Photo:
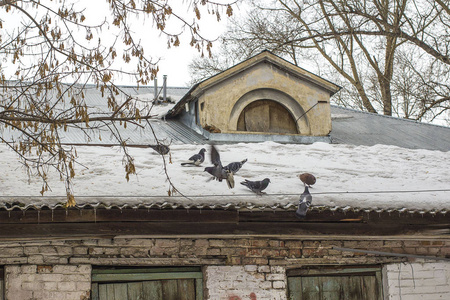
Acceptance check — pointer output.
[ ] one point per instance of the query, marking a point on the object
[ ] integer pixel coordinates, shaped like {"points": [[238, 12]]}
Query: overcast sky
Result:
{"points": [[174, 61]]}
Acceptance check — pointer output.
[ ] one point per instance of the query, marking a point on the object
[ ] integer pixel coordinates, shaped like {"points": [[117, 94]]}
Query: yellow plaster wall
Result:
{"points": [[220, 98]]}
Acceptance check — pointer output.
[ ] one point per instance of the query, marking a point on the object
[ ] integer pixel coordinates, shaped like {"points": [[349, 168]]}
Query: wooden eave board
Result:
{"points": [[113, 222]]}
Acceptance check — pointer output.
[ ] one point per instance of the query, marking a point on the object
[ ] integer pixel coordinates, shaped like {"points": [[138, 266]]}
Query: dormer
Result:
{"points": [[262, 98]]}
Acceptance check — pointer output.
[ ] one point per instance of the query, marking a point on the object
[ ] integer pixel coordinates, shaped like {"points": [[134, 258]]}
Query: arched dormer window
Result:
{"points": [[268, 111], [266, 116]]}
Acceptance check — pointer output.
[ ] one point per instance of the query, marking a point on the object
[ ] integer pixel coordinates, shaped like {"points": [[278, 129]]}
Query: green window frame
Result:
{"points": [[145, 283], [351, 283], [2, 283]]}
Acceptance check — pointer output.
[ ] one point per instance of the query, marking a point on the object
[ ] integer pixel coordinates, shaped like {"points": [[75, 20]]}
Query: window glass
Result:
{"points": [[147, 283], [335, 283]]}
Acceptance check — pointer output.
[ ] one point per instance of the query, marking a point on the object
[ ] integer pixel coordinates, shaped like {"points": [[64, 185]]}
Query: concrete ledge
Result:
{"points": [[258, 138]]}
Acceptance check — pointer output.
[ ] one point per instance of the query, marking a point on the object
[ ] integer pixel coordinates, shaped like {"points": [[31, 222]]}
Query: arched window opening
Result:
{"points": [[266, 116]]}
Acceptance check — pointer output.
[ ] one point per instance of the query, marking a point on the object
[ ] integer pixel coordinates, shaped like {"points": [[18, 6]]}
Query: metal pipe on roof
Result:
{"points": [[164, 87], [155, 89]]}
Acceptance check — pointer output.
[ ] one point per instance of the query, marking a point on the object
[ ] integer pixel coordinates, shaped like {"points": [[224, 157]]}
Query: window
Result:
{"points": [[196, 112], [147, 283], [335, 283], [266, 116]]}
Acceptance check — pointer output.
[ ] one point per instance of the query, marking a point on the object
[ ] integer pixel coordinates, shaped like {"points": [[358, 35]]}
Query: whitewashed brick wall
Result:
{"points": [[62, 282], [421, 280], [249, 282]]}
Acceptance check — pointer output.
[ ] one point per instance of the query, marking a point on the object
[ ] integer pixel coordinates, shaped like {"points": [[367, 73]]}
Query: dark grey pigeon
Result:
{"points": [[218, 171], [257, 186], [235, 166], [305, 202], [160, 148], [196, 159]]}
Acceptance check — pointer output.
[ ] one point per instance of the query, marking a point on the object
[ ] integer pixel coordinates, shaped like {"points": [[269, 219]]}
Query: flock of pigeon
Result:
{"points": [[220, 172]]}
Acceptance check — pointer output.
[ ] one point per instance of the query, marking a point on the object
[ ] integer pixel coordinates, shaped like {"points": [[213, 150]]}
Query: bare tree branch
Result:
{"points": [[52, 51]]}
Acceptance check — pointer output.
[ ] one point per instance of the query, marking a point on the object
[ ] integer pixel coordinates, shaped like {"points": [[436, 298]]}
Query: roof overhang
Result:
{"points": [[169, 220]]}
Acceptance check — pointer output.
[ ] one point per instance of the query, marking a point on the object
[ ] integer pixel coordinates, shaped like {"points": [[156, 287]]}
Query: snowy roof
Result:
{"points": [[377, 177], [381, 163]]}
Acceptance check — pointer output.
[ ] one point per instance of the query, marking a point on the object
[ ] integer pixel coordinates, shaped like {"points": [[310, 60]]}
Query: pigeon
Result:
{"points": [[218, 171], [160, 148], [196, 159], [235, 166], [307, 179], [257, 186], [305, 202]]}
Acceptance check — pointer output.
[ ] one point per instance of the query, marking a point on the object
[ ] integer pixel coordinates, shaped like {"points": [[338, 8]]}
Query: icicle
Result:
{"points": [[39, 216], [95, 215], [52, 214]]}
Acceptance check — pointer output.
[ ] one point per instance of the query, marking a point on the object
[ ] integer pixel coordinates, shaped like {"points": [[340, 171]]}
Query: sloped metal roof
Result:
{"points": [[366, 129], [349, 126], [168, 132]]}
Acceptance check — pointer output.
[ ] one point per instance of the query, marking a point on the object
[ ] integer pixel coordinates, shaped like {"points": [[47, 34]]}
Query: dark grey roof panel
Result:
{"points": [[360, 128]]}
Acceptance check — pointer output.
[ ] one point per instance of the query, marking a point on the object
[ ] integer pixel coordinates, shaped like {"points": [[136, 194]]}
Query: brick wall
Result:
{"points": [[234, 267], [203, 251], [249, 282], [421, 280], [48, 282]]}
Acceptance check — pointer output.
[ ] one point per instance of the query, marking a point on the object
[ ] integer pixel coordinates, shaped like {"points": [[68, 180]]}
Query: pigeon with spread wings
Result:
{"points": [[218, 171]]}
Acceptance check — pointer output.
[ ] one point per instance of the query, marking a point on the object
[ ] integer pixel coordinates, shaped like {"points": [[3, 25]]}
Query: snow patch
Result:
{"points": [[377, 177]]}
